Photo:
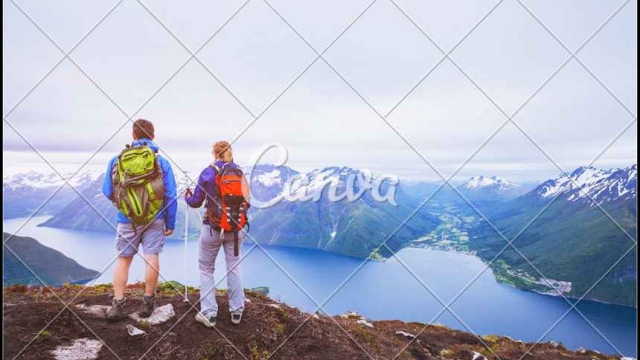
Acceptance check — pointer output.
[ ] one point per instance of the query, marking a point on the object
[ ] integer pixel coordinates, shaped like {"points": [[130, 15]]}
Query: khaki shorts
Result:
{"points": [[152, 238]]}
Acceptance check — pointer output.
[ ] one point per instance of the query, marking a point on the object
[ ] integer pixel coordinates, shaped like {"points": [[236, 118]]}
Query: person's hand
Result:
{"points": [[168, 232], [187, 193]]}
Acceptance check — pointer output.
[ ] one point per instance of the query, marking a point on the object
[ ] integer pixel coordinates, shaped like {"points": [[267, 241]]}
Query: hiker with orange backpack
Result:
{"points": [[224, 190]]}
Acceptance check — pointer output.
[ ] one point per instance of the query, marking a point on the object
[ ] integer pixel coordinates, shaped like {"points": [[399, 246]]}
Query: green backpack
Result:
{"points": [[138, 190]]}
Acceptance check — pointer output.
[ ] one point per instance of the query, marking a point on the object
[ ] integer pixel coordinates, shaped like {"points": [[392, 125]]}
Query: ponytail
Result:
{"points": [[222, 151]]}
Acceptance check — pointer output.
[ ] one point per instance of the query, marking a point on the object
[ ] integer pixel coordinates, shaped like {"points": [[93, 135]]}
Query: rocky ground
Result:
{"points": [[269, 330]]}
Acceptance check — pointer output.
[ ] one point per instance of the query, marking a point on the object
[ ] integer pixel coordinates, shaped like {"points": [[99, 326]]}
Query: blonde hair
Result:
{"points": [[222, 151]]}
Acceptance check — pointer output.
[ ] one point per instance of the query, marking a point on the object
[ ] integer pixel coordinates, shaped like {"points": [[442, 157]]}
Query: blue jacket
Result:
{"points": [[206, 186], [170, 190]]}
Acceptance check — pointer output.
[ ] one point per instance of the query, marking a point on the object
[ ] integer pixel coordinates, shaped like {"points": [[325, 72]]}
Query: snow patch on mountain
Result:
{"points": [[586, 183], [38, 180], [270, 178], [500, 184], [318, 179]]}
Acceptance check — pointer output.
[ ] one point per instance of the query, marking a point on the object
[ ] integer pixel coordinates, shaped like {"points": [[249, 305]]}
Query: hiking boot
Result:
{"points": [[148, 305], [207, 320], [236, 317], [116, 311]]}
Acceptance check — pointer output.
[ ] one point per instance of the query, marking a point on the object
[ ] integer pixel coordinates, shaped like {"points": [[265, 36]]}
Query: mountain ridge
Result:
{"points": [[27, 192], [483, 189], [489, 181], [352, 227], [568, 238], [571, 226], [308, 217], [589, 183]]}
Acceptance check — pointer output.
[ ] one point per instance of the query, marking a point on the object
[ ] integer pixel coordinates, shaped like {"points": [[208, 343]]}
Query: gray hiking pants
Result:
{"points": [[210, 244], [151, 237]]}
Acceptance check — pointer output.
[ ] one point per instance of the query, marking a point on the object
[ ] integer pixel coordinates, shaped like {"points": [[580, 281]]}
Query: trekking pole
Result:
{"points": [[186, 234]]}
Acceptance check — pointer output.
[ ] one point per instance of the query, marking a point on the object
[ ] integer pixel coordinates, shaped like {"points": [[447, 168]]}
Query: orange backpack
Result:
{"points": [[231, 203]]}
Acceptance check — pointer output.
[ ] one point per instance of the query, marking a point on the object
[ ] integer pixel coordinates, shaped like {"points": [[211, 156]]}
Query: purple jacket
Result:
{"points": [[207, 187]]}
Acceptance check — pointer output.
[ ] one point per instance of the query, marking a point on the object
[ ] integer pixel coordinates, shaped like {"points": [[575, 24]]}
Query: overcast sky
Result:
{"points": [[320, 119]]}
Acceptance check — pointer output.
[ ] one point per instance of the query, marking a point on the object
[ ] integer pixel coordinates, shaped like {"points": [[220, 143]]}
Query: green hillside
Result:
{"points": [[568, 242], [348, 228], [52, 266]]}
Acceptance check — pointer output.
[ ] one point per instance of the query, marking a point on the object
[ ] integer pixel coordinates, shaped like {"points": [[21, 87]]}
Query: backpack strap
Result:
{"points": [[217, 168], [212, 219], [235, 244]]}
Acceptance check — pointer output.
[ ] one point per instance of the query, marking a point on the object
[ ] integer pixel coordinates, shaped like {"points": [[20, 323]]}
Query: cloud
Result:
{"points": [[320, 119]]}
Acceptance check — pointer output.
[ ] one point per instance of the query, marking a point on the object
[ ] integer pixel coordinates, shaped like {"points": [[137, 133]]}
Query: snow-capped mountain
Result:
{"points": [[36, 180], [309, 217], [270, 183], [94, 212], [24, 193], [477, 182], [317, 181], [267, 181], [333, 209], [570, 237], [587, 183], [490, 188], [270, 175]]}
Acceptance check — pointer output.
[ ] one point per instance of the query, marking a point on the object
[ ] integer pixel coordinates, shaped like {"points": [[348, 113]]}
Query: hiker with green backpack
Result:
{"points": [[141, 185]]}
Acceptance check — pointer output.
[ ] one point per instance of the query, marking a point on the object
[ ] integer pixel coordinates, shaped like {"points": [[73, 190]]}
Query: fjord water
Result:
{"points": [[411, 287]]}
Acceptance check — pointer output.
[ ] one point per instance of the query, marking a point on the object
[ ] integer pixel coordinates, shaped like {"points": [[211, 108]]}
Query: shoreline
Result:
{"points": [[499, 281], [451, 249]]}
